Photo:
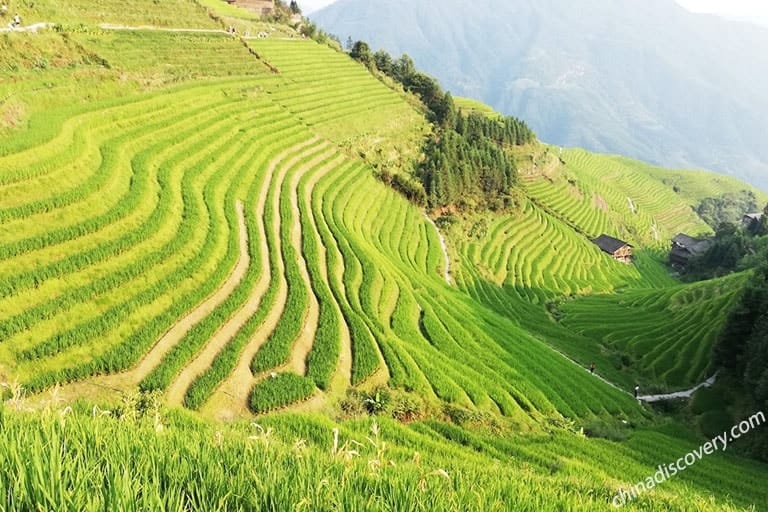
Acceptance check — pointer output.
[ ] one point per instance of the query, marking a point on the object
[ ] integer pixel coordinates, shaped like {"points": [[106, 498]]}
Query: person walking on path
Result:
{"points": [[592, 368], [637, 390]]}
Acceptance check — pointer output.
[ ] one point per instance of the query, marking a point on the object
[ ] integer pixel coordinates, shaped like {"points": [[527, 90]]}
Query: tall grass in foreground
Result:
{"points": [[134, 459]]}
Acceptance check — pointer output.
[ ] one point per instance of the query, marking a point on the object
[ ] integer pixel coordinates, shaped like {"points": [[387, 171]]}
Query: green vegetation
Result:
{"points": [[742, 350], [84, 15], [467, 164], [665, 336], [279, 390], [726, 209], [76, 461], [470, 106], [223, 234], [733, 248], [176, 56]]}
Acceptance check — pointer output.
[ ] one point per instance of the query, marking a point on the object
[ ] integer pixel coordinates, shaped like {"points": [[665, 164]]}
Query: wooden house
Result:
{"points": [[618, 249], [685, 247]]}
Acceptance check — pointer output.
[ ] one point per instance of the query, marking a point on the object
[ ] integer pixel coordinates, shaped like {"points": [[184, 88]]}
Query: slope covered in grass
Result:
{"points": [[89, 287], [85, 15], [290, 461], [669, 333], [214, 232]]}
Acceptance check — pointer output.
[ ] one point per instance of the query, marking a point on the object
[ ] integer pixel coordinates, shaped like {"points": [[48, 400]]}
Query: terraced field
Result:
{"points": [[522, 265], [338, 101], [598, 194], [210, 231], [233, 244], [669, 333], [175, 56], [85, 14]]}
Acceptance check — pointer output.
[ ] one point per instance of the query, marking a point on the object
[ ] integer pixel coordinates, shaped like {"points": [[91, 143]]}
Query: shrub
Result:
{"points": [[602, 429], [713, 423]]}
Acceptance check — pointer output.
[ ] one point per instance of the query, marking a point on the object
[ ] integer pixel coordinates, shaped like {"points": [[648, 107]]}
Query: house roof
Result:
{"points": [[686, 241], [693, 245], [752, 216], [609, 244], [703, 246]]}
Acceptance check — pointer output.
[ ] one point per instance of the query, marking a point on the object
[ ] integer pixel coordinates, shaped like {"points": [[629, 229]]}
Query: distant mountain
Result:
{"points": [[643, 78]]}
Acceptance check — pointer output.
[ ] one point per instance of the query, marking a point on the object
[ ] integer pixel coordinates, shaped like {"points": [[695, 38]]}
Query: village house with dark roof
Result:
{"points": [[618, 249], [685, 247]]}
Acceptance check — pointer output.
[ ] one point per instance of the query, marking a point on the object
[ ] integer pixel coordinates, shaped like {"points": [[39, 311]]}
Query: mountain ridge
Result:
{"points": [[596, 82]]}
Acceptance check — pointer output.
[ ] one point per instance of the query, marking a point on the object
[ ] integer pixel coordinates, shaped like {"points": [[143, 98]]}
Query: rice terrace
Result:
{"points": [[245, 266]]}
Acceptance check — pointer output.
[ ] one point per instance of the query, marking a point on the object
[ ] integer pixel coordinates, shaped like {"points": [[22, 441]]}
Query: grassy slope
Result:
{"points": [[668, 333], [525, 263], [168, 165], [177, 462], [84, 14]]}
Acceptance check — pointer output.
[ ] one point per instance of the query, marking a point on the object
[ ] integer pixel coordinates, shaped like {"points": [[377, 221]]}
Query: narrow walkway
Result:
{"points": [[153, 358], [111, 26], [679, 394], [643, 398], [204, 359], [444, 247], [230, 399], [105, 387], [29, 28]]}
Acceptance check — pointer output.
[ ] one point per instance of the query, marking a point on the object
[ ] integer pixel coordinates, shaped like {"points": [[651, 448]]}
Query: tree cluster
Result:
{"points": [[733, 249], [762, 227], [312, 31], [728, 208], [467, 163], [742, 351], [282, 11], [462, 171]]}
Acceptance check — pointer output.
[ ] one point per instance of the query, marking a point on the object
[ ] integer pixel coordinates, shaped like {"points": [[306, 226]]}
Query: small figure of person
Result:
{"points": [[592, 368], [637, 390], [16, 21]]}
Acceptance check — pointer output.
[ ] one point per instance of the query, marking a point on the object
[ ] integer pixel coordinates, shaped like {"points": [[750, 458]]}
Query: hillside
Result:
{"points": [[287, 460], [642, 79], [203, 280]]}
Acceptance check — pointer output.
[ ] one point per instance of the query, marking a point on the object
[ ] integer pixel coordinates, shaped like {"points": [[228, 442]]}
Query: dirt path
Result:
{"points": [[444, 247], [230, 400], [679, 394], [29, 28], [112, 26], [174, 335], [342, 378], [632, 205], [107, 386], [303, 344], [176, 391]]}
